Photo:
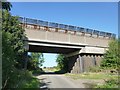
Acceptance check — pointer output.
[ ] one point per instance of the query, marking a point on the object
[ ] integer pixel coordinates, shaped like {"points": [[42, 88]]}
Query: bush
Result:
{"points": [[38, 71], [28, 81], [111, 83], [60, 72], [95, 69]]}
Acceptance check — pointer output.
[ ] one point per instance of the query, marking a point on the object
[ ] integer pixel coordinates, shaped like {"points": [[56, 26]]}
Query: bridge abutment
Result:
{"points": [[83, 62]]}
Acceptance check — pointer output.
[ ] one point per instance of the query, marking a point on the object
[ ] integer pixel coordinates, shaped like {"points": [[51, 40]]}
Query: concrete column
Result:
{"points": [[94, 58], [81, 64], [78, 65], [75, 67], [98, 60], [88, 62]]}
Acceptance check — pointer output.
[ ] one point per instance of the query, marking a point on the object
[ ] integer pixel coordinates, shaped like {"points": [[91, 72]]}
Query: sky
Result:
{"points": [[102, 16]]}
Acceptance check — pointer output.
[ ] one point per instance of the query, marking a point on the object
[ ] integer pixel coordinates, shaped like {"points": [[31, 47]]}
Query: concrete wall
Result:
{"points": [[83, 63], [91, 61], [60, 37]]}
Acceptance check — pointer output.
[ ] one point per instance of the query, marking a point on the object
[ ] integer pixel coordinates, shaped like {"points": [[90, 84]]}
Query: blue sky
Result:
{"points": [[101, 16]]}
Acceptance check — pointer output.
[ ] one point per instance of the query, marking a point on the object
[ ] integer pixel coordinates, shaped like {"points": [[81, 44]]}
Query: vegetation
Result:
{"points": [[51, 69], [111, 62], [35, 61], [6, 5], [90, 75], [95, 69], [15, 34], [13, 73], [111, 57], [61, 63], [111, 83], [12, 49], [104, 80]]}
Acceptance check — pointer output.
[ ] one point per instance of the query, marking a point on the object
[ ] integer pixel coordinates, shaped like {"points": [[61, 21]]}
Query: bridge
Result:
{"points": [[82, 47]]}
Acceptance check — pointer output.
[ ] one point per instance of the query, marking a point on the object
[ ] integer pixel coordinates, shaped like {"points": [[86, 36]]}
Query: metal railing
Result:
{"points": [[66, 27]]}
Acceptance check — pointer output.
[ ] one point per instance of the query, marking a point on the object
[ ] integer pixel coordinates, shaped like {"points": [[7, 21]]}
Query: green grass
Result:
{"points": [[111, 81], [51, 69], [28, 80], [32, 83], [92, 76]]}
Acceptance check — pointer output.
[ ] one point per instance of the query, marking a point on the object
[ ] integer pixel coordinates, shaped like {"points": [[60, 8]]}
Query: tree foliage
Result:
{"points": [[12, 50], [6, 5], [35, 61], [13, 74], [62, 62], [11, 25], [111, 56], [8, 58]]}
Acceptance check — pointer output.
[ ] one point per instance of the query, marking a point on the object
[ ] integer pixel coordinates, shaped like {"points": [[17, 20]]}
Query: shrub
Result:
{"points": [[38, 71], [111, 83], [95, 69]]}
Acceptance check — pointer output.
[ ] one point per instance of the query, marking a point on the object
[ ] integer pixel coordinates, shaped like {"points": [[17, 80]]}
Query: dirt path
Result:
{"points": [[57, 81], [60, 81]]}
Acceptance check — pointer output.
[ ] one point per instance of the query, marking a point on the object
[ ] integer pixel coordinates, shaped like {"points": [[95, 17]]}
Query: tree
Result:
{"points": [[11, 25], [12, 49], [35, 61], [62, 62], [13, 76], [8, 60], [111, 57], [6, 5]]}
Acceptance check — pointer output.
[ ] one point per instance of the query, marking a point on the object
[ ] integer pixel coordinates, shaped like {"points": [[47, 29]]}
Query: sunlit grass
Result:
{"points": [[92, 76], [51, 69], [110, 80]]}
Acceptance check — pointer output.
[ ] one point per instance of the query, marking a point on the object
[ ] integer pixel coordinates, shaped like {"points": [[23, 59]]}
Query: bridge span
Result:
{"points": [[82, 46]]}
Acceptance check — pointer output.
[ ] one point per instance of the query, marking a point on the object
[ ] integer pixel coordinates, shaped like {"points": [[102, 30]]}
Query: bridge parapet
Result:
{"points": [[38, 24]]}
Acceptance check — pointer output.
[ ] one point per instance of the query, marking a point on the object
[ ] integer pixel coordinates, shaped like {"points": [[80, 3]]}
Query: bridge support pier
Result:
{"points": [[83, 62]]}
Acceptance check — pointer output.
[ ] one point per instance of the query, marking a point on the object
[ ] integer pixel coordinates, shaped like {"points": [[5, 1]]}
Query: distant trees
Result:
{"points": [[62, 62], [111, 57], [35, 61]]}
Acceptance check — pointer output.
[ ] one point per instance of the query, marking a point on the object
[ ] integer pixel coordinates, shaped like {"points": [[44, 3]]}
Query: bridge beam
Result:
{"points": [[72, 54]]}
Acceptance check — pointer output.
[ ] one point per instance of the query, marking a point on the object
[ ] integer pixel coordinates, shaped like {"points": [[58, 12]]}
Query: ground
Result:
{"points": [[52, 80], [84, 80], [57, 81]]}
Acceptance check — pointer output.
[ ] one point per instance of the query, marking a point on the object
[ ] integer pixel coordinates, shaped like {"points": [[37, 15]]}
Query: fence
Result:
{"points": [[66, 27]]}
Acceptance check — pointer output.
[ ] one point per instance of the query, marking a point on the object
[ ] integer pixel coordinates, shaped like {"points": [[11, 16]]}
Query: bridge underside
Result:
{"points": [[76, 55], [48, 49]]}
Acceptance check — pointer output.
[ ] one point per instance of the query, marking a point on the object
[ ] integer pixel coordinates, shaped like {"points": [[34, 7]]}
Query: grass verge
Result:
{"points": [[110, 80], [91, 76]]}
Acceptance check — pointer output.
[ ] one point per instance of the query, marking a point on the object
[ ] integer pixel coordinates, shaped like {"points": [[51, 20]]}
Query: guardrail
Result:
{"points": [[66, 27]]}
